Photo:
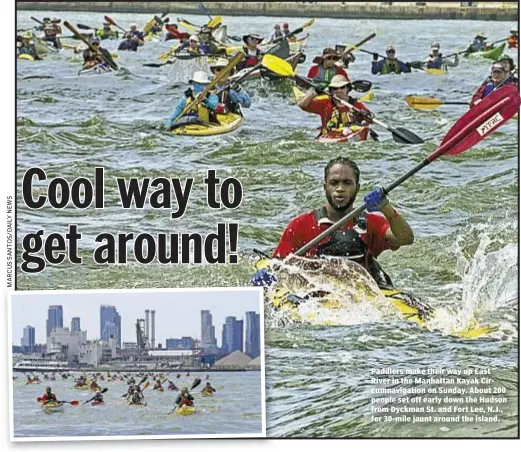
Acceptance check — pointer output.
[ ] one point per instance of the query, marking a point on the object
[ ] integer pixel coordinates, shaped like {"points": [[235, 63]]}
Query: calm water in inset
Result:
{"points": [[463, 209], [235, 408]]}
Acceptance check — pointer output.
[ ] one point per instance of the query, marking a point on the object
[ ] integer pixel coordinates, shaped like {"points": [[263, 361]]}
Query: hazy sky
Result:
{"points": [[177, 313]]}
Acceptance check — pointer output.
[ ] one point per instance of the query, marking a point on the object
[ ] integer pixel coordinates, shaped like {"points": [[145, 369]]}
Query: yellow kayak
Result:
{"points": [[192, 127], [185, 410], [207, 394], [25, 56], [82, 388], [410, 307], [52, 407], [435, 71]]}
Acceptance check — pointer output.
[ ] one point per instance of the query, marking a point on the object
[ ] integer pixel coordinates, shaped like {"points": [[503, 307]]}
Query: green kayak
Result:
{"points": [[493, 54]]}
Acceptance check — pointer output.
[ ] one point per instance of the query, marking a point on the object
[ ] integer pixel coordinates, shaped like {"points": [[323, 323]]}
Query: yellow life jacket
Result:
{"points": [[338, 121]]}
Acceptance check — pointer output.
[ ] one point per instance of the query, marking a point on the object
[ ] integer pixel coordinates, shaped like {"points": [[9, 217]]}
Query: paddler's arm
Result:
{"points": [[306, 100], [399, 232], [177, 111]]}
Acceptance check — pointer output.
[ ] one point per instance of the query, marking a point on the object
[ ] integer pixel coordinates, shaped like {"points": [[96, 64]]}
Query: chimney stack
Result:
{"points": [[147, 326], [153, 332]]}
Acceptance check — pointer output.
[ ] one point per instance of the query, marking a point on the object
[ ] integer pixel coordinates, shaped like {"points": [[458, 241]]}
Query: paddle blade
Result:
{"points": [[215, 22], [84, 27], [423, 103], [367, 97], [109, 20], [75, 403], [277, 65], [361, 86], [404, 136], [481, 120], [196, 383]]}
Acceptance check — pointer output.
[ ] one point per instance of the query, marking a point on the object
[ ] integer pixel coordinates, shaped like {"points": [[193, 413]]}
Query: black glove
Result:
{"points": [[189, 92], [409, 65], [366, 115], [375, 56], [238, 89]]}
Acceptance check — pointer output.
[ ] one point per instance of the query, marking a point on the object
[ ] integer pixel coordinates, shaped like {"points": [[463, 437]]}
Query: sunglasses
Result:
{"points": [[217, 69], [391, 51], [334, 58], [96, 44]]}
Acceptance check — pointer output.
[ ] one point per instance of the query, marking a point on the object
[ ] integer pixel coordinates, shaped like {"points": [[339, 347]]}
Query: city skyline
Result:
{"points": [[172, 308]]}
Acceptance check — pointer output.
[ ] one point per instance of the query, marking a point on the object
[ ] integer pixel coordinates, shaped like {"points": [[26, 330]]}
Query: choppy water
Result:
{"points": [[235, 408], [463, 210]]}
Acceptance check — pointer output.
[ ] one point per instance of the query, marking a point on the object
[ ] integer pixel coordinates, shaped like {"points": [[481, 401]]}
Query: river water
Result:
{"points": [[463, 209], [235, 408]]}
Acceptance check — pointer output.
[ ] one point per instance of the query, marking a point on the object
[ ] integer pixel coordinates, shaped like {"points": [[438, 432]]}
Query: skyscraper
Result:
{"points": [[110, 324], [54, 318], [208, 341], [75, 325], [232, 335], [252, 345], [29, 339]]}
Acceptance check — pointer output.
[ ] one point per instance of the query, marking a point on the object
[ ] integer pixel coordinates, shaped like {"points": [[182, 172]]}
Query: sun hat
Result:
{"points": [[254, 36], [200, 77], [219, 62], [194, 38], [339, 81], [326, 53]]}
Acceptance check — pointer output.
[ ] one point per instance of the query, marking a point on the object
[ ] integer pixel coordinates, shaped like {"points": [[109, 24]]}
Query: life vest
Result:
{"points": [[251, 60], [435, 62], [187, 402], [325, 75], [201, 112], [391, 66], [338, 121], [349, 244], [225, 98]]}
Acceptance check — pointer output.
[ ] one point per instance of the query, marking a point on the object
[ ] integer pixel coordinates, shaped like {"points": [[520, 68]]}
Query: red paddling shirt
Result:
{"points": [[304, 228]]}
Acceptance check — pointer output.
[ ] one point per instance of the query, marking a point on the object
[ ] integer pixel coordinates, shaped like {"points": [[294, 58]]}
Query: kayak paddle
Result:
{"points": [[74, 402], [283, 68], [110, 62], [111, 22], [429, 103], [196, 383], [217, 79], [180, 57], [359, 44], [85, 27], [475, 125]]}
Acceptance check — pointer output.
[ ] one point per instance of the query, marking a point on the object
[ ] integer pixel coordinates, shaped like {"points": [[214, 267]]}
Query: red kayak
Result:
{"points": [[356, 134], [97, 403]]}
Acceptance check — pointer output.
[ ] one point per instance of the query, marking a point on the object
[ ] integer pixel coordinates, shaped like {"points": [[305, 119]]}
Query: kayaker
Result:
{"points": [[135, 32], [131, 43], [276, 34], [205, 111], [91, 59], [194, 47], [346, 57], [52, 32], [437, 61], [379, 228], [107, 32], [98, 399], [185, 398], [207, 377], [251, 50], [187, 374], [509, 66], [207, 42], [137, 397], [172, 386], [178, 376], [174, 33], [336, 117], [48, 396], [45, 21], [513, 39], [208, 389], [286, 31], [497, 77], [389, 64], [158, 385], [325, 68], [230, 99], [26, 46], [479, 44]]}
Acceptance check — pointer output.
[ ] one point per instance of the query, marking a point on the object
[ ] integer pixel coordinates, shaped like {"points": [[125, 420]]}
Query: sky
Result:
{"points": [[178, 312]]}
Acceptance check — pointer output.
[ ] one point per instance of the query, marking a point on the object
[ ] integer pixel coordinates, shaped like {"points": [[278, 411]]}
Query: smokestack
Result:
{"points": [[153, 332], [147, 325]]}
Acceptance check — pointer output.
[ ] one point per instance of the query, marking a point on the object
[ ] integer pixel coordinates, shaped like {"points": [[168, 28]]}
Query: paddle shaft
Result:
{"points": [[361, 43], [90, 46], [36, 20]]}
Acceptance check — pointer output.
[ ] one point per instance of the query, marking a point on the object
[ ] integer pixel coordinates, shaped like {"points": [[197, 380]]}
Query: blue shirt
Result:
{"points": [[210, 102], [128, 45]]}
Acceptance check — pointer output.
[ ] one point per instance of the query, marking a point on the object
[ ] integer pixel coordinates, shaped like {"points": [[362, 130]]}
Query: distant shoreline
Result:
{"points": [[133, 370], [350, 10]]}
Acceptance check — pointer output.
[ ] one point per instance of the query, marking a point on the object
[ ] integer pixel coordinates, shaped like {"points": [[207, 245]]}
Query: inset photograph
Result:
{"points": [[137, 363]]}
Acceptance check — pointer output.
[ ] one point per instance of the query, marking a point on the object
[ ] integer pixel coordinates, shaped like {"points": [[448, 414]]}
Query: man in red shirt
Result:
{"points": [[48, 396], [335, 116], [326, 68], [378, 229]]}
